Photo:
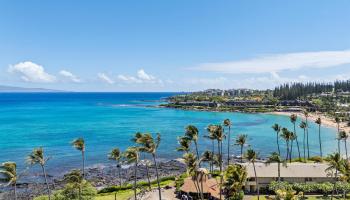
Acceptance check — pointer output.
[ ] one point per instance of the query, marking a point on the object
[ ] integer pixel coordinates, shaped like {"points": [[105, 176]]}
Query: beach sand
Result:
{"points": [[326, 121]]}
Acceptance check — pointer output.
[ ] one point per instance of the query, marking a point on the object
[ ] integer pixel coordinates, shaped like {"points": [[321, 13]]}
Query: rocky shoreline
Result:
{"points": [[100, 177]]}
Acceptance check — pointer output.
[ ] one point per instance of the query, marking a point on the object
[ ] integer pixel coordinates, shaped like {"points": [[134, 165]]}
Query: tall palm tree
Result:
{"points": [[9, 172], [79, 144], [37, 157], [150, 145], [276, 158], [334, 164], [303, 126], [319, 122], [286, 135], [344, 136], [184, 143], [192, 133], [192, 167], [228, 124], [251, 156], [337, 120], [212, 136], [241, 141], [116, 155], [207, 156], [293, 119], [132, 155], [306, 114], [293, 137], [277, 129], [219, 135]]}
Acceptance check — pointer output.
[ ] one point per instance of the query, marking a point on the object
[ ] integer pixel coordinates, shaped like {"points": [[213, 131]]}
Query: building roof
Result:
{"points": [[209, 186], [299, 170]]}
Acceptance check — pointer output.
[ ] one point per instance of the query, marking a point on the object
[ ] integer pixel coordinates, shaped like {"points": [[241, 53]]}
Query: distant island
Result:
{"points": [[5, 89]]}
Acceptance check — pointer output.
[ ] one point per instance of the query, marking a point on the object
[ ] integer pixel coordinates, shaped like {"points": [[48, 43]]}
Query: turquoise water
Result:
{"points": [[107, 120]]}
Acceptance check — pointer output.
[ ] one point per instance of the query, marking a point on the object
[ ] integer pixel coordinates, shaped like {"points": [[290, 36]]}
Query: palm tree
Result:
{"points": [[306, 114], [219, 135], [192, 167], [228, 124], [319, 122], [184, 143], [208, 156], [277, 129], [276, 158], [79, 144], [211, 136], [303, 126], [131, 155], [192, 134], [9, 172], [337, 120], [251, 156], [37, 157], [150, 145], [235, 177], [286, 135], [335, 164], [293, 119], [116, 155], [241, 141], [292, 138], [344, 136], [76, 179]]}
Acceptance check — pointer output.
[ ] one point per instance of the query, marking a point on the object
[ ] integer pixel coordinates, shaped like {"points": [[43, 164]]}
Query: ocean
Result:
{"points": [[108, 120]]}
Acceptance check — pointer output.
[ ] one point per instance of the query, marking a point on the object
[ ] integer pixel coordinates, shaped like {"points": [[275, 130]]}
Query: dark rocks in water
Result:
{"points": [[99, 177]]}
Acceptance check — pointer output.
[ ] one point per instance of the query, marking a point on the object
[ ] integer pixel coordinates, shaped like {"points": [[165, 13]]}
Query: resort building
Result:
{"points": [[294, 173]]}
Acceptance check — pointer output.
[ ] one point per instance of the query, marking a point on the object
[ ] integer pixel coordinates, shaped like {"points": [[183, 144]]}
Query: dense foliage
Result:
{"points": [[320, 188]]}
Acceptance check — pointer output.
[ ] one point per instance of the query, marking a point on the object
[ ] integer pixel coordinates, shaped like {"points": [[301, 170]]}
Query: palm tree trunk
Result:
{"points": [[15, 190], [120, 178], [212, 159], [135, 178], [295, 132], [291, 151], [287, 150], [83, 156], [346, 150], [155, 164], [221, 175], [307, 142], [228, 145], [334, 184], [220, 164], [304, 146], [256, 181], [46, 182], [148, 179], [241, 153], [339, 146], [319, 138], [278, 144], [279, 171]]}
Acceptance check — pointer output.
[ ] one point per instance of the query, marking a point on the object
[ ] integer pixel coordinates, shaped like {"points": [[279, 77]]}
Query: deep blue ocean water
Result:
{"points": [[107, 120]]}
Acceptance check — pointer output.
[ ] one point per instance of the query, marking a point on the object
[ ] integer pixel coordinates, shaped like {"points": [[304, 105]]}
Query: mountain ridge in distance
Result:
{"points": [[5, 88]]}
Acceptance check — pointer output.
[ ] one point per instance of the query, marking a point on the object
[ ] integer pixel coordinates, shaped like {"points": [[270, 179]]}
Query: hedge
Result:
{"points": [[319, 188]]}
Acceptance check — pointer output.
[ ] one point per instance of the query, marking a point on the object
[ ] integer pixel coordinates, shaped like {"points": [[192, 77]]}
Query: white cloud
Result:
{"points": [[280, 62], [141, 74], [105, 78], [31, 72], [141, 77], [70, 76]]}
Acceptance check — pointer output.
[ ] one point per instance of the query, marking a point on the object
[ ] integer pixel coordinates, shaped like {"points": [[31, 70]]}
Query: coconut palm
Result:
{"points": [[344, 136], [251, 156], [303, 126], [241, 141], [219, 135], [37, 157], [235, 177], [116, 155], [9, 172], [228, 123], [293, 137], [192, 167], [277, 129], [306, 114], [79, 144], [286, 135], [150, 145], [319, 122], [293, 119], [184, 143], [334, 165], [211, 136], [192, 133], [276, 158], [132, 155], [208, 156]]}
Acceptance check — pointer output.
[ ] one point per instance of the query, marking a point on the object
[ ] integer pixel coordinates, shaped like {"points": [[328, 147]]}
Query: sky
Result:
{"points": [[175, 45]]}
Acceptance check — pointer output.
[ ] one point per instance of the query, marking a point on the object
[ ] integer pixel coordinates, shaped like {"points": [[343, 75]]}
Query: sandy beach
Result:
{"points": [[326, 121]]}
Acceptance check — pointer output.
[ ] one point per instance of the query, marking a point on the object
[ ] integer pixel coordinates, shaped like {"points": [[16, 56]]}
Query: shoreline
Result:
{"points": [[326, 121]]}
